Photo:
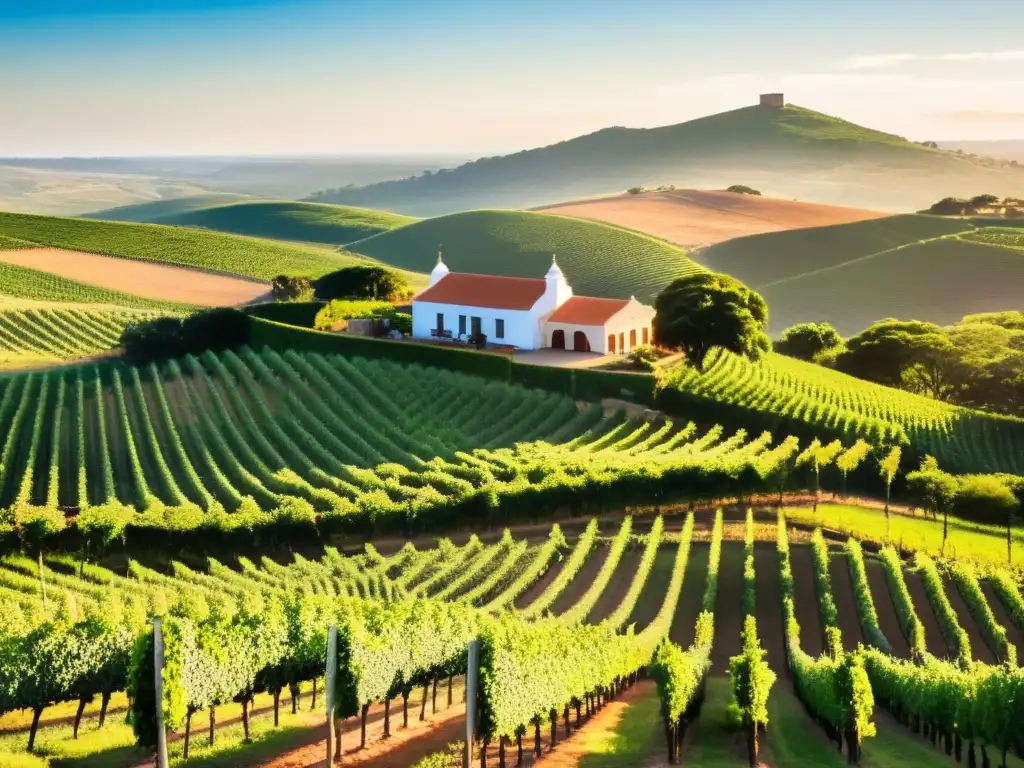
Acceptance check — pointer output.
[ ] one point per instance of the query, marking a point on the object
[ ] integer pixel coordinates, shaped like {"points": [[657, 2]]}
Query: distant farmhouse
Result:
{"points": [[773, 100], [527, 313]]}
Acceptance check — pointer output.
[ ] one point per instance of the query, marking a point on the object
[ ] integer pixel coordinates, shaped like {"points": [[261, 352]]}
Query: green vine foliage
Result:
{"points": [[625, 609], [911, 625], [823, 589], [955, 635], [582, 607], [749, 583], [577, 558], [1010, 595], [751, 677], [862, 592], [966, 580]]}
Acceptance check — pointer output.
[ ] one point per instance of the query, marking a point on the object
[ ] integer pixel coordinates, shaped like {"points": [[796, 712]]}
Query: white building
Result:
{"points": [[527, 313]]}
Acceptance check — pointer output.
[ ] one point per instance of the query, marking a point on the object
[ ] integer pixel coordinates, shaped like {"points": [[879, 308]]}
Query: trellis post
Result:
{"points": [[158, 680], [329, 679], [472, 668]]}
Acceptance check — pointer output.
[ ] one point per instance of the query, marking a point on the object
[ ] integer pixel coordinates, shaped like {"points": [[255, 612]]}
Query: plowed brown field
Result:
{"points": [[697, 218], [162, 282]]}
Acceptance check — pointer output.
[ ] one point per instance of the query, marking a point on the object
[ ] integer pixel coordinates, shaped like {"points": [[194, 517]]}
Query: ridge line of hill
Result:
{"points": [[857, 260]]}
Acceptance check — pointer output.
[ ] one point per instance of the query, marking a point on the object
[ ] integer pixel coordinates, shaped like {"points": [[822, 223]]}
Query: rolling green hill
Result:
{"points": [[279, 220], [248, 256], [598, 259], [791, 152], [910, 267]]}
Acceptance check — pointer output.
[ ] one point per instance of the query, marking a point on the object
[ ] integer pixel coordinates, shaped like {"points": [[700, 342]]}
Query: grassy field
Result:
{"points": [[521, 244], [252, 257], [983, 544], [24, 283], [778, 388], [152, 211], [278, 220], [851, 275]]}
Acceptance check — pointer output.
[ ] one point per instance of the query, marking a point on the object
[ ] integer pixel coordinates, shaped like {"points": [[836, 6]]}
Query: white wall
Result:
{"points": [[595, 335], [522, 328], [632, 317]]}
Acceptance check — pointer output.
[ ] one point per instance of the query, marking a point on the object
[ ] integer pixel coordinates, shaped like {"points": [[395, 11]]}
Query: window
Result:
{"points": [[646, 337], [499, 328], [440, 321], [632, 339], [462, 325]]}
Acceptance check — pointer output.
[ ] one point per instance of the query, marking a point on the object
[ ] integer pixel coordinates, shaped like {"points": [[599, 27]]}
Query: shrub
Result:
{"points": [[643, 357], [635, 190], [985, 498], [805, 341], [285, 288], [170, 337], [363, 282], [742, 189]]}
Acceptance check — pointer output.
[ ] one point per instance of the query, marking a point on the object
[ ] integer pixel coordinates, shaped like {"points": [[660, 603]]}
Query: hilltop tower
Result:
{"points": [[776, 100], [557, 285]]}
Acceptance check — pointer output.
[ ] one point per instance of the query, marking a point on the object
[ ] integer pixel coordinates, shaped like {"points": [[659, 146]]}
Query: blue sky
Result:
{"points": [[127, 77]]}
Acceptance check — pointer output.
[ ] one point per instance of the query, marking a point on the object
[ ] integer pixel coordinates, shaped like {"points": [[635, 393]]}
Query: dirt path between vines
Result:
{"points": [[405, 747], [933, 639], [536, 589], [980, 649], [576, 588], [885, 607], [805, 601], [1013, 633], [769, 606], [690, 596], [728, 617], [845, 599], [617, 586]]}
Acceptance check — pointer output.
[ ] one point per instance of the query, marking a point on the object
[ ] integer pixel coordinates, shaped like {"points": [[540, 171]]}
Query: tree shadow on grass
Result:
{"points": [[628, 742]]}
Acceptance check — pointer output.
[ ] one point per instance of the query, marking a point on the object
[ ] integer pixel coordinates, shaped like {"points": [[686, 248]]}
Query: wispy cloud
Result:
{"points": [[885, 60]]}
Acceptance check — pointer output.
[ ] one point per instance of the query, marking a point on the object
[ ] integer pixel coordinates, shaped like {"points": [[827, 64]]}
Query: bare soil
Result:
{"points": [[149, 280], [575, 589], [652, 596], [405, 746], [980, 649], [697, 218], [618, 585], [769, 606], [728, 617], [1013, 633], [846, 600], [933, 639], [535, 590], [888, 621], [805, 600], [690, 596]]}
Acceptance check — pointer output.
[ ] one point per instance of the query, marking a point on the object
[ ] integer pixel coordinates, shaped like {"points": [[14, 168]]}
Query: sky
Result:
{"points": [[243, 77]]}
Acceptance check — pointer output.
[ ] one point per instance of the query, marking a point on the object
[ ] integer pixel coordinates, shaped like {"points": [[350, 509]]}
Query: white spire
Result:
{"points": [[555, 271], [439, 271]]}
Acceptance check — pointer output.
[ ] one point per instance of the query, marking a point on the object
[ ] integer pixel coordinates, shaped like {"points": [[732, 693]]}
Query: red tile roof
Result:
{"points": [[586, 310], [491, 291]]}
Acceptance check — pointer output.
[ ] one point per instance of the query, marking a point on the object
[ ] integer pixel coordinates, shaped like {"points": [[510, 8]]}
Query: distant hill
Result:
{"points": [[1010, 149], [598, 259], [232, 254], [909, 267], [280, 220], [695, 218], [788, 152]]}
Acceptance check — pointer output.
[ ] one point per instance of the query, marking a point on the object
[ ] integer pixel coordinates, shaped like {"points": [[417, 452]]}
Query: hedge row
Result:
{"points": [[297, 313]]}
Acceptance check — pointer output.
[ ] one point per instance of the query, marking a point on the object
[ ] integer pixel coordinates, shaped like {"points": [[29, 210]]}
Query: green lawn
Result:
{"points": [[630, 742], [984, 544], [594, 256], [249, 256]]}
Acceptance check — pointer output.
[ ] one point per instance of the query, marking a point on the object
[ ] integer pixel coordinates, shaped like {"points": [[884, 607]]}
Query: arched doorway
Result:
{"points": [[580, 342], [558, 339], [632, 339], [611, 343]]}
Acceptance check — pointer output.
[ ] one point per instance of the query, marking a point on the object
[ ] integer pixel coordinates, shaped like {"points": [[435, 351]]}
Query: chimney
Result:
{"points": [[776, 100]]}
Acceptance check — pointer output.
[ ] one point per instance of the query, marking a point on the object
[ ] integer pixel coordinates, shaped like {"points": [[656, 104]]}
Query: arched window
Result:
{"points": [[611, 343], [580, 342], [645, 335], [632, 339], [558, 339]]}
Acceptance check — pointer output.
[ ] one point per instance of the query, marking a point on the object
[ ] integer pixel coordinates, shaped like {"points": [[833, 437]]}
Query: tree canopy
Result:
{"points": [[699, 312], [805, 341], [363, 281]]}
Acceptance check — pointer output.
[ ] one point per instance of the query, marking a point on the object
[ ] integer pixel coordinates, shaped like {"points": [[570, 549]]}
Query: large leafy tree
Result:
{"points": [[805, 341], [699, 312]]}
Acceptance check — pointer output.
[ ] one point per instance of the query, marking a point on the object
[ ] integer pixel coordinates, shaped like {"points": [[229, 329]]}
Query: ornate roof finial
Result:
{"points": [[439, 253]]}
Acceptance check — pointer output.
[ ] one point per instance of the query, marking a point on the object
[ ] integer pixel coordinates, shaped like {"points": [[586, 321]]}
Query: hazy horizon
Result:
{"points": [[347, 78]]}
